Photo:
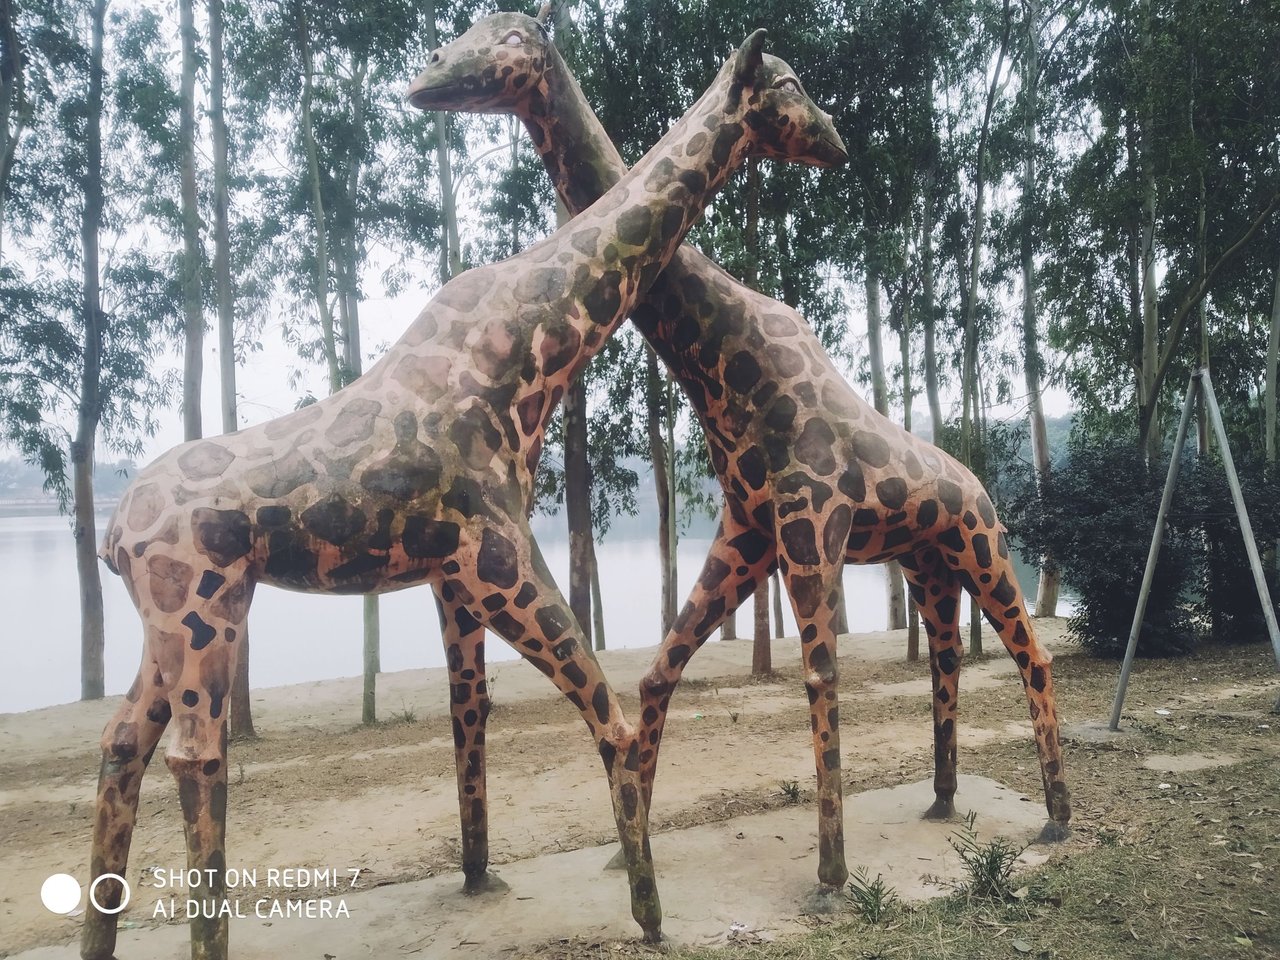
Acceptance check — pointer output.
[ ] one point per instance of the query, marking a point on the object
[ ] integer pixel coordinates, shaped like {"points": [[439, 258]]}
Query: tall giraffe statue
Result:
{"points": [[419, 471], [813, 476]]}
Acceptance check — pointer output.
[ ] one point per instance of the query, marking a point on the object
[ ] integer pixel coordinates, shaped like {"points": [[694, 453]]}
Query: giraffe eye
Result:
{"points": [[513, 39], [789, 85]]}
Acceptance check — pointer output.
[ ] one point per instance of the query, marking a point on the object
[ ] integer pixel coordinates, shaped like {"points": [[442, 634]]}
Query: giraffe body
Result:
{"points": [[813, 476], [420, 471]]}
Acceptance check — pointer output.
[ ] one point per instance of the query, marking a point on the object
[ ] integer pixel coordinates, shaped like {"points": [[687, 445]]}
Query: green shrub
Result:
{"points": [[1096, 518], [1227, 605]]}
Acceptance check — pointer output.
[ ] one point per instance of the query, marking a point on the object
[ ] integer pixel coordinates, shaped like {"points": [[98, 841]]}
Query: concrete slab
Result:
{"points": [[748, 875]]}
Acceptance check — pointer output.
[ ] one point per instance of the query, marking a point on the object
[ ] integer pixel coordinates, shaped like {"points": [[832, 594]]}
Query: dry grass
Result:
{"points": [[1161, 865]]}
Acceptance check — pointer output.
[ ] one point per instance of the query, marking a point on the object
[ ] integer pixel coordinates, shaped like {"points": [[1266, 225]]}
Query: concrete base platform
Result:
{"points": [[745, 877]]}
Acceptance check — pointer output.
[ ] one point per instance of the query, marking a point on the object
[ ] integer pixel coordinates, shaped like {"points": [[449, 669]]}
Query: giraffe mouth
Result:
{"points": [[832, 152], [426, 97]]}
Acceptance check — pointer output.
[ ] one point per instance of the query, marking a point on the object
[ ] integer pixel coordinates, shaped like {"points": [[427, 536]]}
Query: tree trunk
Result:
{"points": [[321, 279], [1149, 433], [1202, 254], [192, 287], [1269, 440], [779, 630], [1048, 587], [761, 649], [225, 289], [597, 608], [673, 530], [1273, 360], [88, 414], [451, 250], [968, 373], [658, 455], [14, 109], [729, 629], [240, 710], [880, 396], [577, 500], [928, 188], [904, 347]]}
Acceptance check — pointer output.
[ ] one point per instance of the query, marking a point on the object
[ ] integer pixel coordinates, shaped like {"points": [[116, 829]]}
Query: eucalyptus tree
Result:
{"points": [[80, 338], [1174, 192], [338, 108]]}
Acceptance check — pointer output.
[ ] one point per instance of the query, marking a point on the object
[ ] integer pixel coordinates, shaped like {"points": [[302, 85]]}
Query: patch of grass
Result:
{"points": [[790, 790], [405, 714], [989, 866], [872, 899]]}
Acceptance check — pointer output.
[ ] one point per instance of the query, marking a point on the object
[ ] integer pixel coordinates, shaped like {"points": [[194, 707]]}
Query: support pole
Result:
{"points": [[1157, 538], [1246, 530]]}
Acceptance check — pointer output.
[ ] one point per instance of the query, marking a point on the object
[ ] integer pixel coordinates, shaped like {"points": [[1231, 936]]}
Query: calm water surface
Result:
{"points": [[300, 637]]}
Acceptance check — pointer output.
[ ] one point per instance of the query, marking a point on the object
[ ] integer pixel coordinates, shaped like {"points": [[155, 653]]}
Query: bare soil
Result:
{"points": [[1180, 815]]}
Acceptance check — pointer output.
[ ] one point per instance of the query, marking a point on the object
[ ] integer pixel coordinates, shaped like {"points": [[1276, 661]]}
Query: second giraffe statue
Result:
{"points": [[419, 471], [813, 476]]}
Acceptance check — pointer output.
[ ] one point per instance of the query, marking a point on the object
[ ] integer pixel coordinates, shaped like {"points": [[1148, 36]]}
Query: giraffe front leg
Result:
{"points": [[996, 588], [739, 559], [812, 584], [937, 596], [128, 743], [469, 704], [506, 587], [197, 753]]}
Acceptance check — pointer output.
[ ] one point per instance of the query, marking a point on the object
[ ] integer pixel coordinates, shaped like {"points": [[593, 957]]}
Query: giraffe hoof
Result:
{"points": [[824, 899], [941, 810], [486, 882], [1054, 832], [653, 935], [618, 861]]}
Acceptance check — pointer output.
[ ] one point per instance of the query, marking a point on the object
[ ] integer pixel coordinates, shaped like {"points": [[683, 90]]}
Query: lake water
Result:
{"points": [[298, 637]]}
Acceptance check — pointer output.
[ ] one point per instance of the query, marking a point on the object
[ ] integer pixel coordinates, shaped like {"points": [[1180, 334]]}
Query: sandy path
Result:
{"points": [[319, 791]]}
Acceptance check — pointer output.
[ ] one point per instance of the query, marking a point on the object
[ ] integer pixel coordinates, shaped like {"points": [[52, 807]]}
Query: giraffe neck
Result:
{"points": [[636, 227], [578, 155]]}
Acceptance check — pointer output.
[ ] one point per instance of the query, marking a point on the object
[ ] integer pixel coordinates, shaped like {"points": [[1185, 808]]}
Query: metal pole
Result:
{"points": [[1157, 538], [1250, 547]]}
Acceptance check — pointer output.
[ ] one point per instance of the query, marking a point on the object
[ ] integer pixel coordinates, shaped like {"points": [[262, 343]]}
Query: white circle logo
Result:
{"points": [[60, 894], [124, 899]]}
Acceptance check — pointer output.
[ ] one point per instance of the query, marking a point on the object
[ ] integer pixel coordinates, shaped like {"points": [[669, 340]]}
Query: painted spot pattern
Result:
{"points": [[419, 471], [797, 452]]}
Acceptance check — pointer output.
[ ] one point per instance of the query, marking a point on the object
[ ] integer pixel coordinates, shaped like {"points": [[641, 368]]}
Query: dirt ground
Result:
{"points": [[318, 790]]}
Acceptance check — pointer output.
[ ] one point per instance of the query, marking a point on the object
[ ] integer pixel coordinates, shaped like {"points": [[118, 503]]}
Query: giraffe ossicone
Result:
{"points": [[813, 476], [419, 471]]}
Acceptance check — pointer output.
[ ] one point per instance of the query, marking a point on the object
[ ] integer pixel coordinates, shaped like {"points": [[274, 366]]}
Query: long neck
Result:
{"points": [[621, 243], [580, 158]]}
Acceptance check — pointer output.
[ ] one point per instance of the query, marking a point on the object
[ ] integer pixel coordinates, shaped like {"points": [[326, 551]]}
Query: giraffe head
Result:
{"points": [[784, 123], [492, 68], [498, 65]]}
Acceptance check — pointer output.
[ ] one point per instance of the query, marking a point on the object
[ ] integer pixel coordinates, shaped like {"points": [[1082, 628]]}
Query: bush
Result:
{"points": [[1227, 605], [1096, 519]]}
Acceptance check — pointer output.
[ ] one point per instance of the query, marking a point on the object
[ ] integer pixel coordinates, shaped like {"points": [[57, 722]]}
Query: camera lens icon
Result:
{"points": [[61, 893]]}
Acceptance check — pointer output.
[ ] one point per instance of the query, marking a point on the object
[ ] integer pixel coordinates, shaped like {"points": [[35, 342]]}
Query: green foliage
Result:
{"points": [[1227, 604], [874, 899], [1096, 519], [988, 866]]}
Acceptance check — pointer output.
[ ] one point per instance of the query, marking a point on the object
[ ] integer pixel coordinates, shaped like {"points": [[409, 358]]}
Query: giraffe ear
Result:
{"points": [[749, 57]]}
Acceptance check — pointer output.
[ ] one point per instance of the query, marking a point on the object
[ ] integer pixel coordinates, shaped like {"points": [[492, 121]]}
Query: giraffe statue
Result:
{"points": [[813, 476], [419, 471]]}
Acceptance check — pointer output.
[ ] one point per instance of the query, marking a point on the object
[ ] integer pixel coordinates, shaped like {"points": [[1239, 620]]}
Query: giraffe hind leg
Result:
{"points": [[995, 585], [469, 705], [937, 596], [128, 742]]}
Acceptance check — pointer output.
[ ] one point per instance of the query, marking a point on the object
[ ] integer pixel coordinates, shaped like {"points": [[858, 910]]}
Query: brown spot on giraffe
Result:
{"points": [[893, 496], [354, 514]]}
